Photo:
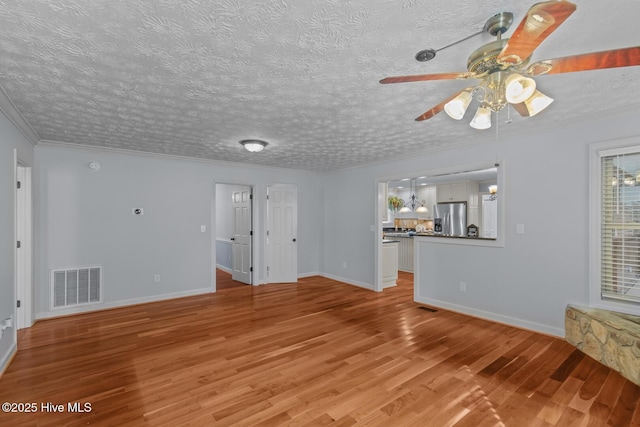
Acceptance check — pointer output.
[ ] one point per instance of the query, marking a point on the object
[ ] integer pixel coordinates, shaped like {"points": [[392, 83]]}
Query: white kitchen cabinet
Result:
{"points": [[473, 210], [405, 254], [383, 203], [427, 194], [452, 192], [389, 264]]}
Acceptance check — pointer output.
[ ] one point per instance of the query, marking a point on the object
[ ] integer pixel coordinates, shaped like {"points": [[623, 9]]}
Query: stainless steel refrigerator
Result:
{"points": [[453, 217]]}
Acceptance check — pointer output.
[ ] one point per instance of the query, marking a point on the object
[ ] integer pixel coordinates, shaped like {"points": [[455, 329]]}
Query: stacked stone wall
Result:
{"points": [[609, 337]]}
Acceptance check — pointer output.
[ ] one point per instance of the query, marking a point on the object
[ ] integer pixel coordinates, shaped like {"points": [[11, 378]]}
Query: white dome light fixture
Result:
{"points": [[253, 145]]}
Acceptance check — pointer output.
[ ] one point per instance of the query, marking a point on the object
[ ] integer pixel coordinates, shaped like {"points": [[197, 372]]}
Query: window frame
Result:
{"points": [[597, 152]]}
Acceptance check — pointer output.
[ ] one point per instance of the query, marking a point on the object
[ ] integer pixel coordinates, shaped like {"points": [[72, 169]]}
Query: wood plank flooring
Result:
{"points": [[224, 281], [319, 352]]}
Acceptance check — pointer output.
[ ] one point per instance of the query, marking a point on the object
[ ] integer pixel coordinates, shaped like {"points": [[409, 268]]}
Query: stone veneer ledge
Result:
{"points": [[607, 336]]}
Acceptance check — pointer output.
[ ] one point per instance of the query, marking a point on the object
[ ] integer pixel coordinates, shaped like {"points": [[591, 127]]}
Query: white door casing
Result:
{"points": [[241, 240], [282, 229]]}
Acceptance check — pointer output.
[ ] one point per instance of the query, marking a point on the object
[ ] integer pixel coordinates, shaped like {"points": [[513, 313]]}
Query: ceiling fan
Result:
{"points": [[503, 68]]}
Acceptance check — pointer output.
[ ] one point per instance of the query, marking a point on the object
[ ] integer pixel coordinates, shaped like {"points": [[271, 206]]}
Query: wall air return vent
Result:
{"points": [[76, 286]]}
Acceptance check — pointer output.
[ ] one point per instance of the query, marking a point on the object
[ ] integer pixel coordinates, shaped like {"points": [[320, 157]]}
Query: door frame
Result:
{"points": [[23, 231], [254, 225]]}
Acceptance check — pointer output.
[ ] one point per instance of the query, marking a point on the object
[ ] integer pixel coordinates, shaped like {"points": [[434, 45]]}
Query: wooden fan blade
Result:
{"points": [[541, 20], [427, 77], [626, 57], [521, 109], [435, 110]]}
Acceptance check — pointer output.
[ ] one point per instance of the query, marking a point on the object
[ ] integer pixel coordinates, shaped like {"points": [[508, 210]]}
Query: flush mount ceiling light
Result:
{"points": [[253, 145], [503, 69]]}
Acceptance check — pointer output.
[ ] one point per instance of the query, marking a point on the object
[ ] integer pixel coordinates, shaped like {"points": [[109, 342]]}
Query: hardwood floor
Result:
{"points": [[224, 281], [316, 353]]}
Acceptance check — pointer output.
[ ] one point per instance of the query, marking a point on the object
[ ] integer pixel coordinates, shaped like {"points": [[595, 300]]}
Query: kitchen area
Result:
{"points": [[452, 206]]}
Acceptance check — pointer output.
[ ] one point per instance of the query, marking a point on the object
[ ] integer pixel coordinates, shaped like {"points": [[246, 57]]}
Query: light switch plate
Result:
{"points": [[519, 228]]}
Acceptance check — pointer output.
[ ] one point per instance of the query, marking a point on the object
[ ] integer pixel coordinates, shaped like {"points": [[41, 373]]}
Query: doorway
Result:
{"points": [[234, 233]]}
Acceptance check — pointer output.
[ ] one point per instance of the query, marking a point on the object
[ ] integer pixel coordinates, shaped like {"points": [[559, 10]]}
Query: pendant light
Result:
{"points": [[412, 204]]}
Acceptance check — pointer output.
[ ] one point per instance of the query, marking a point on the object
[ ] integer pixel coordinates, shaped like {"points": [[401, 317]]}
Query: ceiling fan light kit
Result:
{"points": [[536, 103], [482, 119], [458, 105], [503, 68], [518, 88]]}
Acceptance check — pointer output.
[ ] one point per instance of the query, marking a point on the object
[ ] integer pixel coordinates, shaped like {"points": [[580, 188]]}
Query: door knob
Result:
{"points": [[294, 240], [233, 238]]}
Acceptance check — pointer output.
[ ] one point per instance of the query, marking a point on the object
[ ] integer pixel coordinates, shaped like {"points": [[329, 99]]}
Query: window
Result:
{"points": [[616, 242]]}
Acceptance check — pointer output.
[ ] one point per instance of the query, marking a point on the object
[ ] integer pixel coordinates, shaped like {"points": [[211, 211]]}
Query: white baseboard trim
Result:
{"points": [[494, 317], [349, 281], [310, 274], [225, 269], [7, 358], [121, 303]]}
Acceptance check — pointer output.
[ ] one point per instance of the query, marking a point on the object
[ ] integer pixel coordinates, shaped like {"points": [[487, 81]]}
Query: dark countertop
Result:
{"points": [[452, 237], [398, 234]]}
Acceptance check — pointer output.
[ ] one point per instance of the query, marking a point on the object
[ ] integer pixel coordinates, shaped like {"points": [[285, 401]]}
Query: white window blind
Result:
{"points": [[620, 229]]}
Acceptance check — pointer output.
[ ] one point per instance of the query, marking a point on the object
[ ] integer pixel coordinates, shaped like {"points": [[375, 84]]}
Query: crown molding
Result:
{"points": [[12, 113]]}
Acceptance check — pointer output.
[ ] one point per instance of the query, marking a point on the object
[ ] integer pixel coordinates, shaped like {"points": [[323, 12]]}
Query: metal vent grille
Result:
{"points": [[76, 286]]}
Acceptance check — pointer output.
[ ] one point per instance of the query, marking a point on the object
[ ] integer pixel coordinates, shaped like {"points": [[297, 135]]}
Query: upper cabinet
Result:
{"points": [[454, 192], [427, 195], [383, 204]]}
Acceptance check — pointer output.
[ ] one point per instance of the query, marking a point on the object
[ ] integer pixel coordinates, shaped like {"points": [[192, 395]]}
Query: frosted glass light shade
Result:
{"points": [[518, 88], [482, 119], [458, 105], [404, 209], [422, 209], [253, 145], [537, 102]]}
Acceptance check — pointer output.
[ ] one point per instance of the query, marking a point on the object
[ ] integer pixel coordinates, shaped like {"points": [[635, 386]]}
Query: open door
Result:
{"points": [[23, 225], [282, 230], [242, 235]]}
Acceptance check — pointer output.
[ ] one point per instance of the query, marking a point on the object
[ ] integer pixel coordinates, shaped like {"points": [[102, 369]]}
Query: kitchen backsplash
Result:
{"points": [[411, 223]]}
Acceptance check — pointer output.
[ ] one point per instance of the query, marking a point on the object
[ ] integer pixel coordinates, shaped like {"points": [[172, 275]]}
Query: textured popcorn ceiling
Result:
{"points": [[192, 78]]}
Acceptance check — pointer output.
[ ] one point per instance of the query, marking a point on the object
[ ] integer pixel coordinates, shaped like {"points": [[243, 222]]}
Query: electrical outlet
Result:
{"points": [[156, 278], [463, 287], [344, 264]]}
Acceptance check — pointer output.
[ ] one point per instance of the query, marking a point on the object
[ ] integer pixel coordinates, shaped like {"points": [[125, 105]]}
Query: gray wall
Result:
{"points": [[85, 219], [530, 280], [10, 139]]}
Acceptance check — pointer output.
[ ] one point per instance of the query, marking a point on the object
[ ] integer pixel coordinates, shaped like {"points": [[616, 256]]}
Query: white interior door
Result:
{"points": [[241, 240], [282, 230], [23, 247]]}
